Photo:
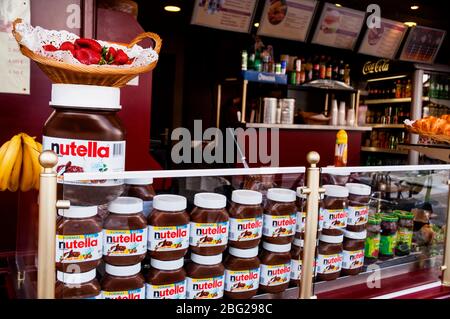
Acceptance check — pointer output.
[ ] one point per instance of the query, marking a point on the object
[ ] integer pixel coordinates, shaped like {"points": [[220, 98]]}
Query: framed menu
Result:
{"points": [[384, 41], [230, 15], [287, 19], [338, 27], [422, 44]]}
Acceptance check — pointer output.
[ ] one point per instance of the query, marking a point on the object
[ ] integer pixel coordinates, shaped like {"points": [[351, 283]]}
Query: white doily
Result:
{"points": [[35, 37]]}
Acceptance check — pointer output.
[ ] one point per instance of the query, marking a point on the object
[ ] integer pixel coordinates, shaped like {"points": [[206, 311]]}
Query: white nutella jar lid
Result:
{"points": [[358, 189], [299, 193], [167, 265], [75, 278], [169, 203], [331, 239], [206, 260], [281, 195], [298, 242], [276, 248], [210, 200], [355, 235], [246, 197], [139, 181], [78, 211], [123, 271], [335, 191], [243, 253], [126, 205], [85, 96]]}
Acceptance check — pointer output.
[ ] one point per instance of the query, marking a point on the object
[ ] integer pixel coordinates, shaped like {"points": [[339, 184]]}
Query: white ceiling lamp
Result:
{"points": [[256, 24], [410, 23], [172, 8], [414, 7]]}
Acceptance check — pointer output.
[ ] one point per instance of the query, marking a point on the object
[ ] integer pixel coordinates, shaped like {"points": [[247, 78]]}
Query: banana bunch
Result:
{"points": [[19, 163]]}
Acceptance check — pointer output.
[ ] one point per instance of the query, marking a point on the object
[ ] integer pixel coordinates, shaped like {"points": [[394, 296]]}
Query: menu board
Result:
{"points": [[338, 27], [384, 41], [422, 44], [287, 19], [231, 15]]}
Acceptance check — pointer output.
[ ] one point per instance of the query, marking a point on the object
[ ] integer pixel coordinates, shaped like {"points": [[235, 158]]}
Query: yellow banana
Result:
{"points": [[13, 183], [26, 181], [33, 152], [3, 151], [37, 166], [8, 161]]}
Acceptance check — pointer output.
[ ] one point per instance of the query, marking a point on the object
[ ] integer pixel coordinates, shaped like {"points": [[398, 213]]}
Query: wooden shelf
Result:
{"points": [[386, 101], [393, 126], [440, 152], [383, 150]]}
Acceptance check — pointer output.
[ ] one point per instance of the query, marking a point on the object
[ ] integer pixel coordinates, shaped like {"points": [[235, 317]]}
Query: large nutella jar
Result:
{"points": [[142, 188], [209, 224], [275, 267], [166, 280], [241, 273], [124, 232], [77, 285], [279, 216], [353, 252], [78, 239], [333, 213], [301, 214], [246, 220], [205, 277], [329, 257], [296, 261], [88, 136], [358, 206], [168, 228], [123, 282]]}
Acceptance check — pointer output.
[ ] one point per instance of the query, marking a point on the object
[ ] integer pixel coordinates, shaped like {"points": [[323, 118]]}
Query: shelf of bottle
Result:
{"points": [[383, 150], [393, 100], [393, 126], [444, 102]]}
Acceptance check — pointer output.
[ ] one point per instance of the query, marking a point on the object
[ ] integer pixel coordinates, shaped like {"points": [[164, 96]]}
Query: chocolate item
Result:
{"points": [[142, 188], [168, 228], [388, 236], [404, 233], [123, 282], [241, 273], [78, 239], [358, 206], [209, 224], [77, 286], [279, 216], [275, 267], [353, 253], [296, 261], [124, 232], [372, 245], [246, 220], [86, 133], [166, 280], [329, 257], [333, 214], [301, 214], [205, 277]]}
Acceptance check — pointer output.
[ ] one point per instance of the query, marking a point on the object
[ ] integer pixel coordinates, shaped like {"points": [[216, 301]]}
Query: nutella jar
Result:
{"points": [[77, 285], [279, 216], [301, 214], [333, 213], [353, 252], [329, 257], [296, 261], [241, 273], [123, 282], [358, 206], [142, 188], [205, 277], [88, 136], [124, 232], [209, 224], [372, 245], [246, 220], [78, 239], [168, 228], [275, 267], [166, 280]]}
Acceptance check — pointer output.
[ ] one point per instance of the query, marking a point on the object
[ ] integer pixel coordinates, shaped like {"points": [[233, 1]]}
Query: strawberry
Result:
{"points": [[49, 47], [120, 58], [87, 56], [110, 54], [67, 46], [89, 44]]}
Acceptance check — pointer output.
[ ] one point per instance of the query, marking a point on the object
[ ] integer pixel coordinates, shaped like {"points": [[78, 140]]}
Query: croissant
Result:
{"points": [[446, 117], [438, 126], [446, 129]]}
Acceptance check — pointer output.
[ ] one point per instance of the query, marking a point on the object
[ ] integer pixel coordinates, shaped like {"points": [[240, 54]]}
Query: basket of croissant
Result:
{"points": [[436, 128]]}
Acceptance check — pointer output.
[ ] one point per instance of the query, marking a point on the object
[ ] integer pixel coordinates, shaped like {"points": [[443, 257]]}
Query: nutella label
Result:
{"points": [[328, 264], [241, 280], [300, 222], [78, 248], [273, 275], [204, 288], [168, 238], [279, 226], [99, 296], [296, 269], [332, 218], [208, 234], [123, 242], [77, 156], [357, 215], [125, 294], [352, 259], [246, 228], [170, 291]]}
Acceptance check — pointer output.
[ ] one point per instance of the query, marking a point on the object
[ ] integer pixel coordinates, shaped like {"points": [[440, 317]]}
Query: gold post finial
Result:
{"points": [[48, 160], [313, 158]]}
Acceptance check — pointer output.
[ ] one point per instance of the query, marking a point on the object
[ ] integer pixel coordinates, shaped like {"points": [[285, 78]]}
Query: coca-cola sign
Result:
{"points": [[381, 65]]}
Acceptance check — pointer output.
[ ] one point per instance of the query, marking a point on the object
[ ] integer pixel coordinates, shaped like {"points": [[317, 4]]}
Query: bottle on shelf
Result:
{"points": [[408, 89], [347, 74], [341, 71], [322, 68], [398, 89], [244, 60], [340, 153], [316, 68], [329, 70]]}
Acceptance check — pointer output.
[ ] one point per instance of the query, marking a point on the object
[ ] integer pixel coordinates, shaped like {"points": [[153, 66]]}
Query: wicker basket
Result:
{"points": [[438, 138], [61, 72]]}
